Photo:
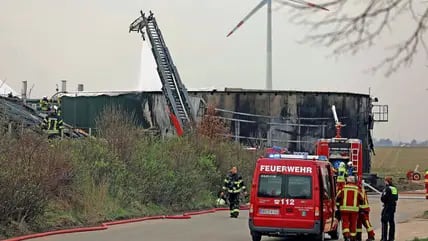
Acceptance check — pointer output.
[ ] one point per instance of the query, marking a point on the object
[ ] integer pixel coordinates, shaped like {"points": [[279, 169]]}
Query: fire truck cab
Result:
{"points": [[292, 195]]}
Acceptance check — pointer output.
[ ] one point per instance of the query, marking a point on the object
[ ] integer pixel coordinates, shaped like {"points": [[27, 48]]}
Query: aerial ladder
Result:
{"points": [[177, 98]]}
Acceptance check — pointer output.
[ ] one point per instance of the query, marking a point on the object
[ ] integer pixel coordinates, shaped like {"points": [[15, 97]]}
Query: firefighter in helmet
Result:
{"points": [[348, 201], [44, 104], [341, 176], [53, 124], [233, 185], [350, 169]]}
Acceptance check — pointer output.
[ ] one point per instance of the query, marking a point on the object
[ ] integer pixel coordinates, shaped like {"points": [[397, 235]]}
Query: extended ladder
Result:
{"points": [[174, 90]]}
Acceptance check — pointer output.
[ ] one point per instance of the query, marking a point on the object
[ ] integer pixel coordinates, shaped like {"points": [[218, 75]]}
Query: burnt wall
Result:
{"points": [[294, 119], [287, 118]]}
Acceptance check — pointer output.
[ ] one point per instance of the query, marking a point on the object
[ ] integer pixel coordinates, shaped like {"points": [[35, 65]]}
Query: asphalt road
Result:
{"points": [[213, 227]]}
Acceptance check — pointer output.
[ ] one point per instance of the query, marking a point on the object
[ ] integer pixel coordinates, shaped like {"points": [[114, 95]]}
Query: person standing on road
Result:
{"points": [[389, 199], [349, 201], [233, 185]]}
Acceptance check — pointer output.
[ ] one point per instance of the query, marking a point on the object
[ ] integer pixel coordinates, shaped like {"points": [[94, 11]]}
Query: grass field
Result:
{"points": [[396, 161]]}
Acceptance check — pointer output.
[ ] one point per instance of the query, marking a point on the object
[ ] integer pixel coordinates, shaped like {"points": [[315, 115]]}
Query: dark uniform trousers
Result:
{"points": [[387, 219], [234, 204]]}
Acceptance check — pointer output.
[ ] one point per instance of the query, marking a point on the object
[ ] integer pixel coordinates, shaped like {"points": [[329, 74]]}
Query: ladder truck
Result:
{"points": [[179, 106], [342, 149]]}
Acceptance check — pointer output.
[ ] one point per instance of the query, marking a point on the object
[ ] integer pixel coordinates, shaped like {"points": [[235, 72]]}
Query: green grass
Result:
{"points": [[420, 239], [398, 160]]}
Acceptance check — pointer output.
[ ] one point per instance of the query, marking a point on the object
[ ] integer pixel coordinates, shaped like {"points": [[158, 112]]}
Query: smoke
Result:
{"points": [[149, 79]]}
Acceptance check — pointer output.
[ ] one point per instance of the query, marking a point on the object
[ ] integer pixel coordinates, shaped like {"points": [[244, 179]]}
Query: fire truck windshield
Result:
{"points": [[288, 186]]}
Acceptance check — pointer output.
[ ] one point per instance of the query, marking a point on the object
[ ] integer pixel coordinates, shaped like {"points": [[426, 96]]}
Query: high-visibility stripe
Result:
{"points": [[234, 211], [234, 191], [359, 230], [351, 209], [346, 230], [353, 234], [355, 199], [394, 190], [354, 207]]}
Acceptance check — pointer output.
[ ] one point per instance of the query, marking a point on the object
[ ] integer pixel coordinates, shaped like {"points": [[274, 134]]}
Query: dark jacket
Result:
{"points": [[389, 196], [233, 183]]}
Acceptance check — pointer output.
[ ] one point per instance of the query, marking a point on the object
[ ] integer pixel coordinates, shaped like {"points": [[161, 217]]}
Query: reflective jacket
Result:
{"points": [[44, 105], [341, 174], [349, 199], [389, 196], [233, 183], [53, 124]]}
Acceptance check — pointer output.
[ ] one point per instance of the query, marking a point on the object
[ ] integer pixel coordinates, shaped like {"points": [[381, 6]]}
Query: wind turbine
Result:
{"points": [[269, 30]]}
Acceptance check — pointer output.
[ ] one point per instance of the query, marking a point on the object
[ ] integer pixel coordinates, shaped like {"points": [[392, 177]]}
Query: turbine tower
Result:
{"points": [[269, 30]]}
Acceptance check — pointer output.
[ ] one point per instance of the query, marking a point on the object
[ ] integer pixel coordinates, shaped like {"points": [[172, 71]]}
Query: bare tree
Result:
{"points": [[353, 25]]}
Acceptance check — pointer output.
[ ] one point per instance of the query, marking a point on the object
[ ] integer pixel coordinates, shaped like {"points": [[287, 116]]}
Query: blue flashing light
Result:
{"points": [[322, 158], [276, 156], [302, 156]]}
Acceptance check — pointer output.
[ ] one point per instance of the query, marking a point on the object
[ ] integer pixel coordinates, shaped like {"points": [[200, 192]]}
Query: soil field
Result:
{"points": [[398, 160]]}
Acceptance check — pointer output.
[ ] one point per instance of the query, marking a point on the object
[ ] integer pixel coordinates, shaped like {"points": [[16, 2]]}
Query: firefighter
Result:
{"points": [[426, 184], [341, 176], [233, 185], [44, 104], [53, 124], [350, 169], [389, 199], [364, 217], [348, 201]]}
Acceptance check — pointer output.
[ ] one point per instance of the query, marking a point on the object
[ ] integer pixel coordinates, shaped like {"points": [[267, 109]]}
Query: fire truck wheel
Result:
{"points": [[255, 236], [416, 176], [334, 235]]}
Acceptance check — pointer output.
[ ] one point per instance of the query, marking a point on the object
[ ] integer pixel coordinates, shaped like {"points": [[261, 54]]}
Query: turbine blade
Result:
{"points": [[260, 5], [309, 4]]}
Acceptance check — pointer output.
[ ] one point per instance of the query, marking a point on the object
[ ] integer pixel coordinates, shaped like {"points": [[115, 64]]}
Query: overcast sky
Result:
{"points": [[87, 42]]}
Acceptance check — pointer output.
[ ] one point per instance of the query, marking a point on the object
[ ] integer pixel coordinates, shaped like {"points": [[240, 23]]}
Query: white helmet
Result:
{"points": [[349, 163], [342, 164], [220, 202]]}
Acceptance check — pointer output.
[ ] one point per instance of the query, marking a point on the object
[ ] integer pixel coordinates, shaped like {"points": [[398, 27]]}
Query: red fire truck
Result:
{"points": [[339, 149], [293, 194]]}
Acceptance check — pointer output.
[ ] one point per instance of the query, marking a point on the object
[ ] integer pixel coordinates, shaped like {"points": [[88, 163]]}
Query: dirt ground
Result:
{"points": [[408, 225], [413, 228]]}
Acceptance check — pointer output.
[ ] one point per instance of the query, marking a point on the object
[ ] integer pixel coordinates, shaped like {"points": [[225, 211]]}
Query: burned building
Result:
{"points": [[293, 119]]}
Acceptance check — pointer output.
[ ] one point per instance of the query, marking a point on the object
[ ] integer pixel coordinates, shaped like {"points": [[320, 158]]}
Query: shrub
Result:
{"points": [[33, 172], [120, 174]]}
